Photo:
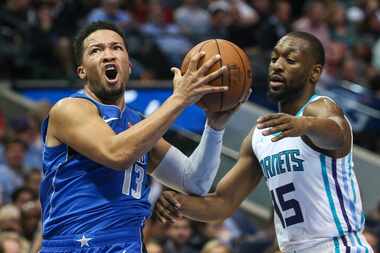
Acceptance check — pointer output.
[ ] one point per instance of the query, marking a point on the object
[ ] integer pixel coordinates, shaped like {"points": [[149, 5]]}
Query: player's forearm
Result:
{"points": [[324, 133], [209, 208], [129, 145]]}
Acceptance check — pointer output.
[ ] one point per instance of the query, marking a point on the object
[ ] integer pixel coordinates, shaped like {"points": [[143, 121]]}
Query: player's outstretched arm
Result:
{"points": [[194, 174], [323, 122], [77, 123], [230, 192]]}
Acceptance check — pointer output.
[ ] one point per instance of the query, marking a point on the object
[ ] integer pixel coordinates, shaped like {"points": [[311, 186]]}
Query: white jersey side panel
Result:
{"points": [[315, 197]]}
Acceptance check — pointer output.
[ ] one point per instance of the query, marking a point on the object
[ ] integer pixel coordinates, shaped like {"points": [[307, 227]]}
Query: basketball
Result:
{"points": [[238, 76]]}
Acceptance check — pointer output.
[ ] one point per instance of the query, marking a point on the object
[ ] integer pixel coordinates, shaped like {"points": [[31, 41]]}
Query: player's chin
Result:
{"points": [[276, 94]]}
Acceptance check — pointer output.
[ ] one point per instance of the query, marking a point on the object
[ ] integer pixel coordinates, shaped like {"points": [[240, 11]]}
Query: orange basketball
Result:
{"points": [[238, 76]]}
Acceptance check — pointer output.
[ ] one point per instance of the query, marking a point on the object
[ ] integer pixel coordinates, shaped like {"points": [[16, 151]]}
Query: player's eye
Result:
{"points": [[118, 47], [290, 61], [273, 59], [94, 50]]}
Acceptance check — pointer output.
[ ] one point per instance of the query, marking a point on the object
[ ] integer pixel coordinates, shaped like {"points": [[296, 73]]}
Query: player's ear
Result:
{"points": [[130, 68], [81, 72], [316, 73]]}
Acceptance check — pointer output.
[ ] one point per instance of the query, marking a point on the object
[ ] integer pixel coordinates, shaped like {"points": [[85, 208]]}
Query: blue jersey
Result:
{"points": [[79, 196]]}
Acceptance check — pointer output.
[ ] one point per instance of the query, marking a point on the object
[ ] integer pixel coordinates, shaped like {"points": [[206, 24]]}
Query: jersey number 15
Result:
{"points": [[285, 205]]}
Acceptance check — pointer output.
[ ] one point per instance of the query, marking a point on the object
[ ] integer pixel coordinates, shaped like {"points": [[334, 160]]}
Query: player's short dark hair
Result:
{"points": [[315, 44], [87, 31]]}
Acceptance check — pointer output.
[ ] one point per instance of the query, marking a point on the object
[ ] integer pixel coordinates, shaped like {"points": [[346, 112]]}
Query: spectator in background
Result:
{"points": [[219, 20], [154, 247], [43, 55], [193, 20], [21, 196], [215, 246], [243, 23], [32, 180], [16, 17], [335, 53], [275, 26], [313, 21], [179, 234], [30, 219], [352, 71], [154, 230], [13, 169], [370, 27], [12, 243], [110, 11], [168, 37], [10, 219], [26, 129], [339, 28]]}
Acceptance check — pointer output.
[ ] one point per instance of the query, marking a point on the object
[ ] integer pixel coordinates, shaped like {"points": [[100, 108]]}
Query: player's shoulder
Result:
{"points": [[71, 107], [323, 107]]}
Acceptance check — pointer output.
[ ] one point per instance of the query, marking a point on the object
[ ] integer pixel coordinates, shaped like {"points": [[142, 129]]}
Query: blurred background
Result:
{"points": [[37, 68]]}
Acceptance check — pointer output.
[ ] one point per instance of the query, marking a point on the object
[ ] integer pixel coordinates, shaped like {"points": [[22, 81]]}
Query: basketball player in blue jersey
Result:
{"points": [[98, 152], [304, 153]]}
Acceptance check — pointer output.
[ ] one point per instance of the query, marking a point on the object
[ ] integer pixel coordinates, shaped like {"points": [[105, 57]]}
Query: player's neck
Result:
{"points": [[119, 102], [293, 105]]}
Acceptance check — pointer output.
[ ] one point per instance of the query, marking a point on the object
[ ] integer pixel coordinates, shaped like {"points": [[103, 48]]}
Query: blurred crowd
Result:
{"points": [[35, 42], [36, 35]]}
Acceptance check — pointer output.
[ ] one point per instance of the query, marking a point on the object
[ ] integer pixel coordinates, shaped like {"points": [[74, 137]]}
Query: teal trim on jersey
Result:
{"points": [[329, 195], [352, 239], [336, 244], [311, 99], [360, 242], [353, 192]]}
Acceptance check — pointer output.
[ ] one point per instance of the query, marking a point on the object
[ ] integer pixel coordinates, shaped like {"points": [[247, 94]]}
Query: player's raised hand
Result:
{"points": [[282, 125], [193, 84], [217, 120], [167, 207]]}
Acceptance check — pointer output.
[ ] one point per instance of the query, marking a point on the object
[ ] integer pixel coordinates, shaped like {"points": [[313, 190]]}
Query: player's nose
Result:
{"points": [[277, 65], [108, 55]]}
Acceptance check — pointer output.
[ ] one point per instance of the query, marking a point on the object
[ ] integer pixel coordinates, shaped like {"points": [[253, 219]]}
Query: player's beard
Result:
{"points": [[290, 90], [106, 94]]}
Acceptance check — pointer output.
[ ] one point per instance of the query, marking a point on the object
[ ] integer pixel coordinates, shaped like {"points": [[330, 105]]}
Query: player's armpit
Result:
{"points": [[76, 122]]}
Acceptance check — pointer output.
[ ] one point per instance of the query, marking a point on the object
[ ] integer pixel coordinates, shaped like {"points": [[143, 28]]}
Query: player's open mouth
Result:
{"points": [[111, 73]]}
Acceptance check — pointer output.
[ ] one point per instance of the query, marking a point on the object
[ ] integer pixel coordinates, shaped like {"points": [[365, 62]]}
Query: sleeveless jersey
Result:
{"points": [[315, 197], [81, 196]]}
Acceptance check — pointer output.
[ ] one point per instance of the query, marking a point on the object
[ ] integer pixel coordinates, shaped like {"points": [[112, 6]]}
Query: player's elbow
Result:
{"points": [[118, 159]]}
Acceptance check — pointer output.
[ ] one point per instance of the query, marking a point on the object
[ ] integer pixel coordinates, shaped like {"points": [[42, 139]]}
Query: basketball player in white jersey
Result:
{"points": [[304, 153]]}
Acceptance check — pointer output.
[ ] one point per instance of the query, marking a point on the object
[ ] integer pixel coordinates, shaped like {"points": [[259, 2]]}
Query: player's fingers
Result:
{"points": [[208, 64], [281, 135], [176, 71], [171, 199], [164, 212], [212, 76], [267, 117], [275, 122], [193, 65], [170, 206], [210, 89], [276, 129]]}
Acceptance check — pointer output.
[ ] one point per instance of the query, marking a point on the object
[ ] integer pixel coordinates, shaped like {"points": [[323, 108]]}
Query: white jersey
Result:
{"points": [[315, 197]]}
